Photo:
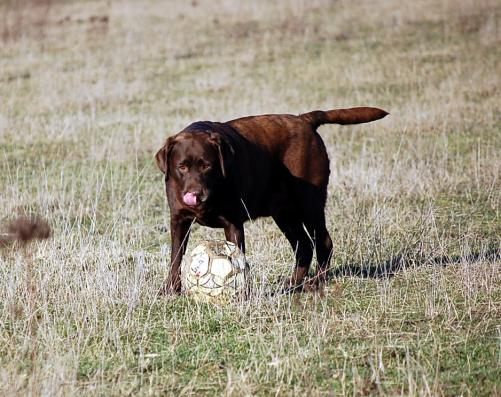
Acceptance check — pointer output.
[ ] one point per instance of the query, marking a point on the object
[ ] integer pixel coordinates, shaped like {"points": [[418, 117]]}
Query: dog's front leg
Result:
{"points": [[235, 234], [180, 233]]}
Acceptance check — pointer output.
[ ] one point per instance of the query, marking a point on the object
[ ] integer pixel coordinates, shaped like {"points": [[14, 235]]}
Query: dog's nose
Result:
{"points": [[191, 198]]}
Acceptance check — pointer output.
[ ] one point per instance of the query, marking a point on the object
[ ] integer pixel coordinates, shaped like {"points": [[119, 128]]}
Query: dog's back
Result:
{"points": [[294, 140]]}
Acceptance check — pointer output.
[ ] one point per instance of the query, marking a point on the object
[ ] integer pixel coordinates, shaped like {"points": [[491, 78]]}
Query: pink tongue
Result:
{"points": [[190, 199]]}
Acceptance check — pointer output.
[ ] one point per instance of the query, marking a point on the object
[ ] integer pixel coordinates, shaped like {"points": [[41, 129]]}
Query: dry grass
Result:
{"points": [[87, 96]]}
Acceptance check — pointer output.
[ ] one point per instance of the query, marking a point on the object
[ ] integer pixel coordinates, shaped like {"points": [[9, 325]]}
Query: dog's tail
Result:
{"points": [[343, 116]]}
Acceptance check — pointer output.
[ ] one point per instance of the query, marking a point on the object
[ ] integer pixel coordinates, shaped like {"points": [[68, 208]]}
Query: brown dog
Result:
{"points": [[222, 174]]}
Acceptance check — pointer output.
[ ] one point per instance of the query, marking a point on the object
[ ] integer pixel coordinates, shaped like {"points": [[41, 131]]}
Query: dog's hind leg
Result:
{"points": [[323, 246], [313, 214], [292, 227]]}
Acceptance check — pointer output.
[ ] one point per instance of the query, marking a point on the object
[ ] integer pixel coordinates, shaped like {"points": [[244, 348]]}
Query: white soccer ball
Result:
{"points": [[215, 271]]}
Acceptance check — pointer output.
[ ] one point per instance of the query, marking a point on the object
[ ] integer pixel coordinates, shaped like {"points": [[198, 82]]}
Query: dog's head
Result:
{"points": [[196, 162]]}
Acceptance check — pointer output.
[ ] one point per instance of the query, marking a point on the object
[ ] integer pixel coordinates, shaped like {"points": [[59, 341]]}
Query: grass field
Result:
{"points": [[90, 90]]}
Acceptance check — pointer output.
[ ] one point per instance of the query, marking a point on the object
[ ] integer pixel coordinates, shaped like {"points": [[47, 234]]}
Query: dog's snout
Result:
{"points": [[195, 192]]}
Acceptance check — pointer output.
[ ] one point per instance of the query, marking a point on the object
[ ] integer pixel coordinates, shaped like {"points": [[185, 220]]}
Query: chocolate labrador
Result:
{"points": [[223, 174]]}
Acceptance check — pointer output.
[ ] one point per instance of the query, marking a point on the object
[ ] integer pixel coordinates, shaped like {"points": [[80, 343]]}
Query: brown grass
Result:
{"points": [[413, 206]]}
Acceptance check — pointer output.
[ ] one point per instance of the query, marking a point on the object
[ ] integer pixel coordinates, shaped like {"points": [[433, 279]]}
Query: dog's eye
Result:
{"points": [[182, 168], [205, 167]]}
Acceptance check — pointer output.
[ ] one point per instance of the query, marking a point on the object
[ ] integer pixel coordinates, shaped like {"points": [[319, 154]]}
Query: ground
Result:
{"points": [[90, 90]]}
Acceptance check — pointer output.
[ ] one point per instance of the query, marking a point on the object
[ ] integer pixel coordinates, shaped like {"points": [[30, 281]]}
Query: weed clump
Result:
{"points": [[25, 229]]}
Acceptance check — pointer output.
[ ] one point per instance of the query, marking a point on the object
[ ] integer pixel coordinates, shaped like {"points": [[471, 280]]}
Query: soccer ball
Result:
{"points": [[214, 271]]}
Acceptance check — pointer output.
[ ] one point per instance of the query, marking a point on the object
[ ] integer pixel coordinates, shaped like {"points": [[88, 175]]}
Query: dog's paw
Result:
{"points": [[313, 284], [168, 289], [289, 286]]}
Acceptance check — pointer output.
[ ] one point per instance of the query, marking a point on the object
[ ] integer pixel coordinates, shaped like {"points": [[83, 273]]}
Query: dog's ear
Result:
{"points": [[225, 151], [162, 156]]}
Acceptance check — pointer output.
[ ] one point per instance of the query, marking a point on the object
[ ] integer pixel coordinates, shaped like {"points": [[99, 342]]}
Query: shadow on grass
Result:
{"points": [[392, 266], [388, 268]]}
